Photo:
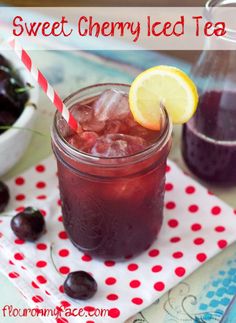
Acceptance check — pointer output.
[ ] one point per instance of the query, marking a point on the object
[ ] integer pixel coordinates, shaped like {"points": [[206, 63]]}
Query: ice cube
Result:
{"points": [[130, 121], [117, 145], [84, 141], [135, 129], [82, 113], [93, 125], [115, 126], [111, 104], [143, 132]]}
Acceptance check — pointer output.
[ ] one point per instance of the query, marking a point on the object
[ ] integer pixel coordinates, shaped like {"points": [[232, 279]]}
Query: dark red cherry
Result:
{"points": [[4, 196], [12, 98], [29, 224], [13, 94], [80, 285], [7, 118]]}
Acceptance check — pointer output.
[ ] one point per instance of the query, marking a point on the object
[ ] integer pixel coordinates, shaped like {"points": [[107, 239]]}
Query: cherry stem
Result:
{"points": [[25, 88], [53, 262]]}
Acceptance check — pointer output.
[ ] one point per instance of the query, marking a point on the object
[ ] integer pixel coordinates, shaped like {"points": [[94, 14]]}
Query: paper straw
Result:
{"points": [[45, 85]]}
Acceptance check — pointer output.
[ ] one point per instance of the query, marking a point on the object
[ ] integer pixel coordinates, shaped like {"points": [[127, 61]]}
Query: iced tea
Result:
{"points": [[112, 175]]}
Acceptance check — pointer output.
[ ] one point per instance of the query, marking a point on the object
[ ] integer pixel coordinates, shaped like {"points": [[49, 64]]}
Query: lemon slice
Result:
{"points": [[162, 85]]}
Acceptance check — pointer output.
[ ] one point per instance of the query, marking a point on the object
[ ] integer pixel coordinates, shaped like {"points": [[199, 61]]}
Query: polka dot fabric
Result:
{"points": [[196, 226]]}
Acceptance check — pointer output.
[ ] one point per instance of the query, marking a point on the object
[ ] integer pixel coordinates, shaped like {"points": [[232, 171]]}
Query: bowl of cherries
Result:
{"points": [[18, 99]]}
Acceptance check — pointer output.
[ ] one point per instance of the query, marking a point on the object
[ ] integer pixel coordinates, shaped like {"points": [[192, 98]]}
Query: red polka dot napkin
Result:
{"points": [[197, 225]]}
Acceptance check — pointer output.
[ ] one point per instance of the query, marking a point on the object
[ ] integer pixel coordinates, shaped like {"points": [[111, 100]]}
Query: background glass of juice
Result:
{"points": [[209, 138], [112, 207]]}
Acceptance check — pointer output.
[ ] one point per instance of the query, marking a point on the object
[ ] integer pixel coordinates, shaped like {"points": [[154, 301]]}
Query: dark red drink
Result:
{"points": [[112, 176], [209, 139]]}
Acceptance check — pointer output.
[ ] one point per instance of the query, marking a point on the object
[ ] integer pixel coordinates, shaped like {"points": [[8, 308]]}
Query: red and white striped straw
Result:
{"points": [[45, 85]]}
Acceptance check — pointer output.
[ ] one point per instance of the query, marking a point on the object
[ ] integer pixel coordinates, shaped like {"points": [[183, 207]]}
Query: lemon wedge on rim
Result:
{"points": [[162, 85]]}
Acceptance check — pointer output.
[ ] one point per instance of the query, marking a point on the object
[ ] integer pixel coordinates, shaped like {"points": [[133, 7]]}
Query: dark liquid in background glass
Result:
{"points": [[209, 139]]}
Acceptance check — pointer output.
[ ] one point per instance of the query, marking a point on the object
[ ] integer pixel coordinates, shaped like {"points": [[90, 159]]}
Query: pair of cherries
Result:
{"points": [[29, 225]]}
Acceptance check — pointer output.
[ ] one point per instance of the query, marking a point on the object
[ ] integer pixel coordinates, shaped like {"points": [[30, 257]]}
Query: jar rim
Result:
{"points": [[109, 161]]}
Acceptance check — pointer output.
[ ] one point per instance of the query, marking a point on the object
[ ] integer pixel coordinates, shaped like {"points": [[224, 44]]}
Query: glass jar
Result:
{"points": [[112, 207], [209, 138]]}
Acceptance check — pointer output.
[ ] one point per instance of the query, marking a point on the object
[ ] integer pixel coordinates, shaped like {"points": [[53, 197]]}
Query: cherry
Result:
{"points": [[29, 224], [10, 97], [7, 118], [80, 285], [4, 196], [13, 94]]}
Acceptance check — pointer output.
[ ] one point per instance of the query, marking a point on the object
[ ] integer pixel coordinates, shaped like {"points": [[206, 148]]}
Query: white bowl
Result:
{"points": [[14, 142]]}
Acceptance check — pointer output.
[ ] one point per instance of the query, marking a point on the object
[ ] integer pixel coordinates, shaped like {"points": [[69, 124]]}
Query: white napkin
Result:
{"points": [[197, 225]]}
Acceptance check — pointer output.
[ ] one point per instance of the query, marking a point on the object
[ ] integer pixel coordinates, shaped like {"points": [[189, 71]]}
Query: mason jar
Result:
{"points": [[112, 207]]}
